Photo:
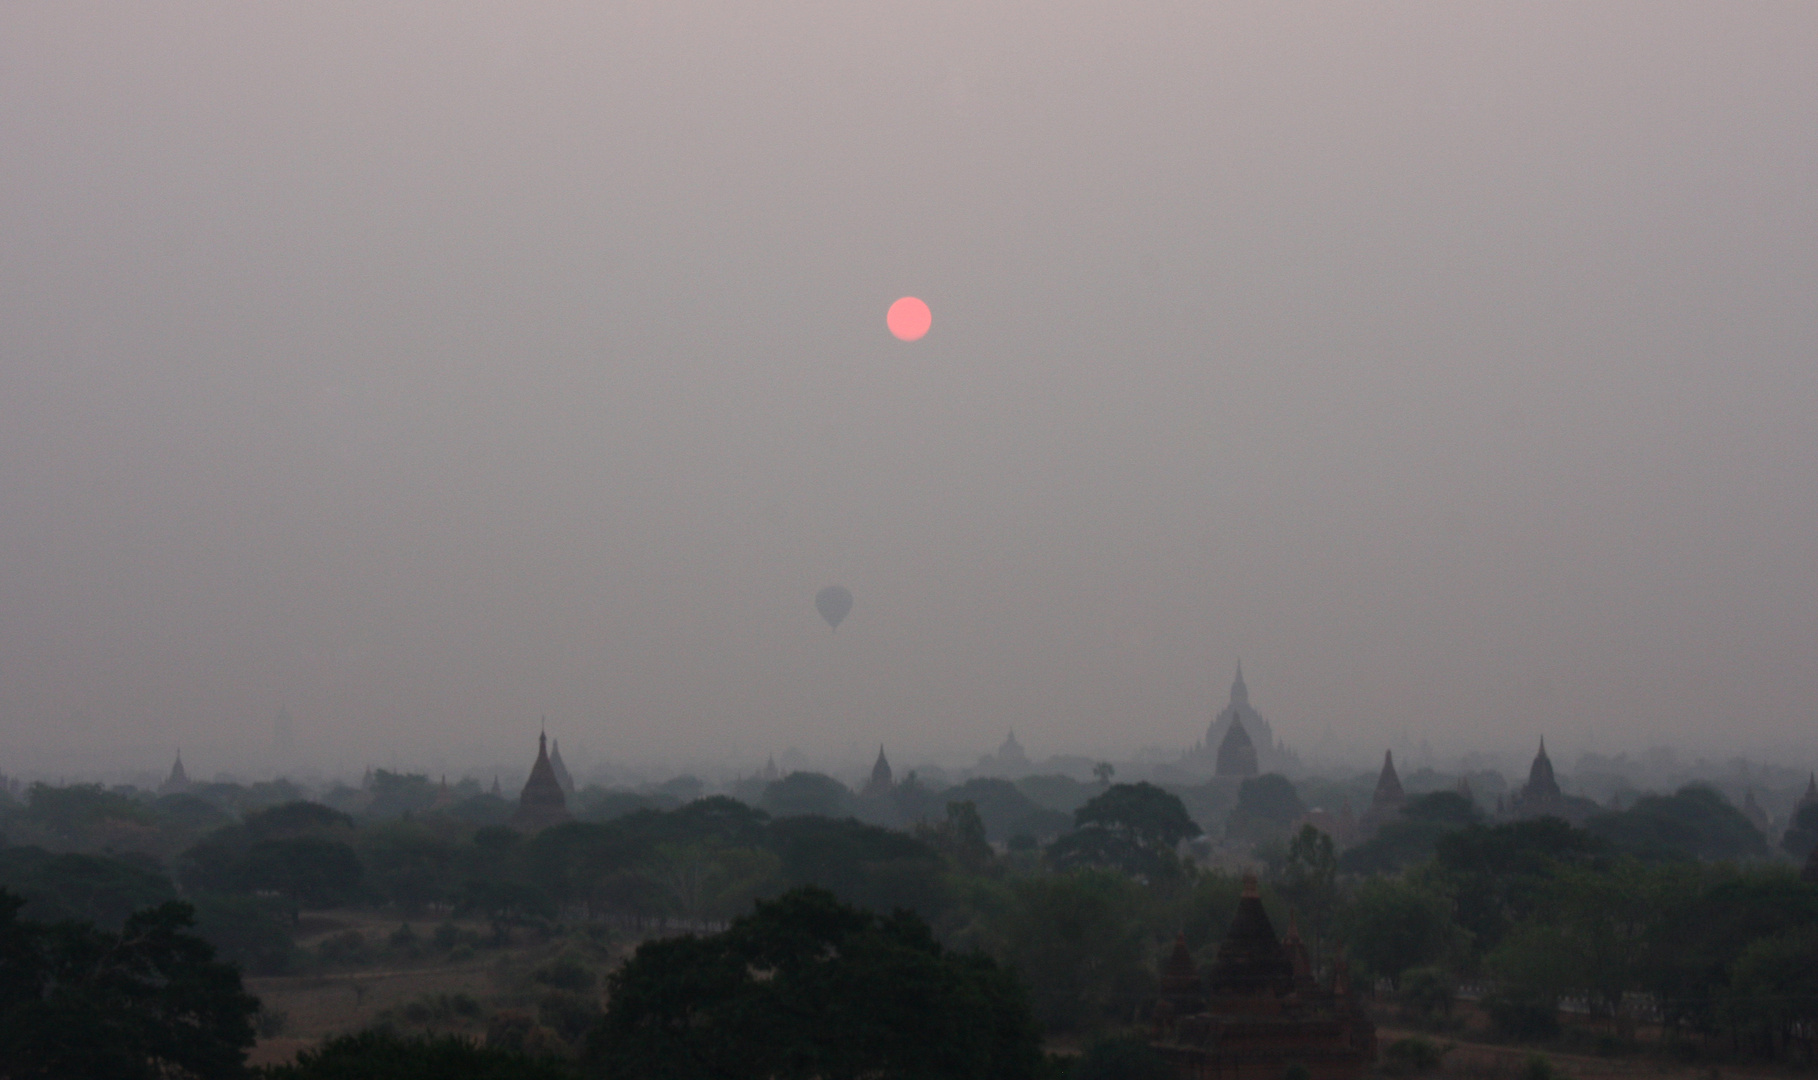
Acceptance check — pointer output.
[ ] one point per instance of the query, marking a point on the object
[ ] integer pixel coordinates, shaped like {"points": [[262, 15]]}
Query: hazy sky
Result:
{"points": [[423, 368]]}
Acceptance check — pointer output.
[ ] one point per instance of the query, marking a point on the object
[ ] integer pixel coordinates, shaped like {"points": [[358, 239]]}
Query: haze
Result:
{"points": [[425, 369]]}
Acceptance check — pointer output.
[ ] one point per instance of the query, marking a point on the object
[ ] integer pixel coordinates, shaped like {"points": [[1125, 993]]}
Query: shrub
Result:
{"points": [[1412, 1057], [347, 947], [564, 973], [1124, 1058], [380, 1053], [1522, 1017]]}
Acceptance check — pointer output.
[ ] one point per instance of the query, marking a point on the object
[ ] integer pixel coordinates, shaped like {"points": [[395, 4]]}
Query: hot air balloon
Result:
{"points": [[833, 603]]}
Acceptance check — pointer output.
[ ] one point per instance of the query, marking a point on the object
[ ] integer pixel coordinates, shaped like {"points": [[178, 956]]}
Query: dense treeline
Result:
{"points": [[1673, 919]]}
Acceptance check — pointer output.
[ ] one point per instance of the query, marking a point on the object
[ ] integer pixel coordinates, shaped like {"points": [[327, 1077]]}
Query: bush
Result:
{"points": [[1427, 991], [1538, 1067], [519, 1033], [348, 947], [569, 1015], [1412, 1057], [1522, 1017], [1124, 1058], [378, 1053], [564, 973]]}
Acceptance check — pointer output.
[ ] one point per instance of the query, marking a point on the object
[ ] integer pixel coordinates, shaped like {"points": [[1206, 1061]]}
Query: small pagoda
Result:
{"points": [[1259, 1008]]}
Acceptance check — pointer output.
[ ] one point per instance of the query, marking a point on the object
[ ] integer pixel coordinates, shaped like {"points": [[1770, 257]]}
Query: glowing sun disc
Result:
{"points": [[909, 319]]}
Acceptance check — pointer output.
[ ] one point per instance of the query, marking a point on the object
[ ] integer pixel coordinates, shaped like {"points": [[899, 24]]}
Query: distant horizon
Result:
{"points": [[423, 374]]}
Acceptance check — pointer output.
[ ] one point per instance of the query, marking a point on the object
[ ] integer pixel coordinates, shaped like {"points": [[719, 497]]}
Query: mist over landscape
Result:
{"points": [[422, 372], [908, 541]]}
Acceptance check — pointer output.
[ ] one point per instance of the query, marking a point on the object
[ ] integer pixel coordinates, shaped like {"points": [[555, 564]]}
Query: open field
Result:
{"points": [[411, 992]]}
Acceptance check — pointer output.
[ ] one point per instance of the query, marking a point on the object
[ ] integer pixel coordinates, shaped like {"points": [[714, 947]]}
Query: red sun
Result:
{"points": [[909, 319]]}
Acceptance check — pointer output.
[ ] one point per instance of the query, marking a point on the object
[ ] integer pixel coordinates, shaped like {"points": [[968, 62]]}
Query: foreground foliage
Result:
{"points": [[809, 987], [147, 1002], [384, 1055]]}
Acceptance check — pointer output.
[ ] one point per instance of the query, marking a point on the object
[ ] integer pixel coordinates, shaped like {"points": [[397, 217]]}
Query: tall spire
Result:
{"points": [[1240, 694], [1541, 782], [1388, 784], [881, 778], [178, 781], [561, 770], [542, 802]]}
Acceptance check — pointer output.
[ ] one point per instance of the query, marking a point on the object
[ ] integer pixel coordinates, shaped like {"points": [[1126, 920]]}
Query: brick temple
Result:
{"points": [[1259, 1009]]}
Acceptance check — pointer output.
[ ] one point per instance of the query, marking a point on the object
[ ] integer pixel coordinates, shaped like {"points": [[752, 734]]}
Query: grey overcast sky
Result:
{"points": [[424, 368]]}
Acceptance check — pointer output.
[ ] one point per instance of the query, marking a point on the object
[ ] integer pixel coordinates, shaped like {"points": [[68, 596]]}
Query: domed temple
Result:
{"points": [[1239, 742], [1259, 1008]]}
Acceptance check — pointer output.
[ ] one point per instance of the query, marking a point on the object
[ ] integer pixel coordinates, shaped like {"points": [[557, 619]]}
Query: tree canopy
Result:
{"points": [[808, 987], [145, 1003], [1693, 823], [1142, 811]]}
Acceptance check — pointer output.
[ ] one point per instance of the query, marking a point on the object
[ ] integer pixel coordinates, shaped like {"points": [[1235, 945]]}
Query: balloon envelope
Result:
{"points": [[833, 603]]}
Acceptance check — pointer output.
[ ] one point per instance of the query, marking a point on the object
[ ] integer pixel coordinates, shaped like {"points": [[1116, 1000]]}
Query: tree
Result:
{"points": [[866, 865], [960, 837], [297, 819], [1444, 807], [72, 809], [410, 865], [1108, 850], [1393, 925], [1773, 989], [807, 987], [1496, 873], [309, 871], [1695, 822], [1005, 810], [807, 793], [1309, 881], [1147, 814], [1717, 913], [94, 888], [1081, 943], [1590, 936], [146, 1003], [1266, 806]]}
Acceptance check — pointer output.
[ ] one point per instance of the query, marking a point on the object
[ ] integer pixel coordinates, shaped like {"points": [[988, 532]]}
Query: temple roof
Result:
{"points": [[1237, 754], [560, 770], [1179, 975], [541, 803], [1388, 783], [1541, 782], [1251, 959]]}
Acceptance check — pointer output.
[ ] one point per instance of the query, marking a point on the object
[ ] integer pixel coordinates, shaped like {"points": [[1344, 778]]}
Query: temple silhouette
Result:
{"points": [[1259, 1008], [541, 803]]}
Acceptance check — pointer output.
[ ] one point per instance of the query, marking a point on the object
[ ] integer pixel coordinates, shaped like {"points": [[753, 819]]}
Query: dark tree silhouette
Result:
{"points": [[146, 1003], [809, 987]]}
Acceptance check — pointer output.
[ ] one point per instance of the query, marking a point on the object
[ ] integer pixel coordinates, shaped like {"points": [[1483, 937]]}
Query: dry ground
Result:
{"points": [[1486, 1061], [322, 1004]]}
